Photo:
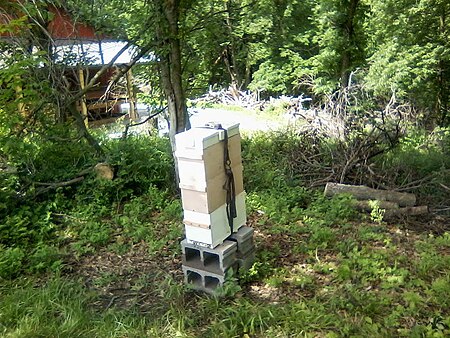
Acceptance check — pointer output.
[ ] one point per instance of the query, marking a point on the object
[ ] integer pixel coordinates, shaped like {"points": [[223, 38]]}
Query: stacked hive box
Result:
{"points": [[207, 254], [201, 168]]}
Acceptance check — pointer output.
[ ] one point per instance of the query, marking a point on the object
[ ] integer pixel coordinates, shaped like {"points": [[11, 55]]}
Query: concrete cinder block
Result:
{"points": [[216, 260], [246, 261], [244, 239], [204, 280]]}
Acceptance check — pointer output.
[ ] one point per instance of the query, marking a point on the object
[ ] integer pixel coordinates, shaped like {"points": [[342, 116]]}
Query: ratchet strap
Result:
{"points": [[229, 185]]}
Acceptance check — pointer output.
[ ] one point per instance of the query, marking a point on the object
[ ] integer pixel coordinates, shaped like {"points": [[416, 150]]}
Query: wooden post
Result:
{"points": [[100, 51], [131, 98], [84, 111]]}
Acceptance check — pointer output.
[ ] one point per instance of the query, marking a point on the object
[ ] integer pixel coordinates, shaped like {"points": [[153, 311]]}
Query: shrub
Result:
{"points": [[140, 163]]}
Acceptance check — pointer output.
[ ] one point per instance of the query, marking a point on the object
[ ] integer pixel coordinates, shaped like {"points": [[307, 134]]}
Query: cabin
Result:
{"points": [[90, 51]]}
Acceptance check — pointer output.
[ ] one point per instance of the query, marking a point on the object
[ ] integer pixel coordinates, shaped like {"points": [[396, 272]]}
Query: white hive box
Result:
{"points": [[195, 140], [200, 157], [212, 229]]}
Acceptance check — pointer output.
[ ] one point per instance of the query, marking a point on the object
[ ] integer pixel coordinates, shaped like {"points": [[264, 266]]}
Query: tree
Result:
{"points": [[285, 46], [410, 53], [152, 26], [340, 37]]}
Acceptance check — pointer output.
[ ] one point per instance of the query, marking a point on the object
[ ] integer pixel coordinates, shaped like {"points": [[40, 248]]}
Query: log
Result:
{"points": [[408, 211], [361, 192], [104, 170], [367, 206]]}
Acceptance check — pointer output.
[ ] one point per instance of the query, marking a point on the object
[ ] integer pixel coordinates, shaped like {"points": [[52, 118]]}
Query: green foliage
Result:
{"points": [[335, 210], [152, 217], [54, 160], [10, 261], [88, 213], [317, 272], [404, 59], [45, 257], [376, 214], [271, 158], [29, 224]]}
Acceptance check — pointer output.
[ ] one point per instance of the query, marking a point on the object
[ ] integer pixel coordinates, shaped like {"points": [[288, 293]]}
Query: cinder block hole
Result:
{"points": [[194, 278], [211, 260], [192, 255], [211, 282]]}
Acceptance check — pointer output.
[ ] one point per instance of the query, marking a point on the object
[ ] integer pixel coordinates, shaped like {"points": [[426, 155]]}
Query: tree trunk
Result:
{"points": [[408, 211], [171, 70], [230, 56], [79, 120], [349, 36], [443, 78], [131, 97]]}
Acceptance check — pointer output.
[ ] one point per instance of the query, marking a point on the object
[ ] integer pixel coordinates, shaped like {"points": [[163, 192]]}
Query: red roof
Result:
{"points": [[61, 27]]}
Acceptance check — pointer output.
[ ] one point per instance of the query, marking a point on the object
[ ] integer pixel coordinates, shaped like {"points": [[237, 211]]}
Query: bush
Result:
{"points": [[28, 224], [140, 163], [267, 160], [421, 157]]}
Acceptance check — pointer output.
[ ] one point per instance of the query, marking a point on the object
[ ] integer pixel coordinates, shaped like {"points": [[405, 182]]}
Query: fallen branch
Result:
{"points": [[60, 184], [99, 169], [49, 186]]}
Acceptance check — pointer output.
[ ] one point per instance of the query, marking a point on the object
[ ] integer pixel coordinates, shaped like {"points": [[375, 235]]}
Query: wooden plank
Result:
{"points": [[131, 97]]}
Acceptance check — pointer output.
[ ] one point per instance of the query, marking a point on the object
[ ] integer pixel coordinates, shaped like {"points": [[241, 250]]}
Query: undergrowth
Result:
{"points": [[35, 228], [321, 268]]}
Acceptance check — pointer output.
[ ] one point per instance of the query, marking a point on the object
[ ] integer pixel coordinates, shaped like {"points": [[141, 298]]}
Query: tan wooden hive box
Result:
{"points": [[213, 195], [200, 157]]}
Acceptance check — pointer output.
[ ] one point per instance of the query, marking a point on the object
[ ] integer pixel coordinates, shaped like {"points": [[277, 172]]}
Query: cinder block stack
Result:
{"points": [[245, 254], [211, 249]]}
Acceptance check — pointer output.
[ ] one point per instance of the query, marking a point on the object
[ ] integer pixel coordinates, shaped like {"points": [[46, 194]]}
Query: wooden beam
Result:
{"points": [[84, 110], [131, 97]]}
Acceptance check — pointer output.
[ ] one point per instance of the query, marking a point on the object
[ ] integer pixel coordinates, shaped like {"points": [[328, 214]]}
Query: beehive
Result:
{"points": [[200, 157]]}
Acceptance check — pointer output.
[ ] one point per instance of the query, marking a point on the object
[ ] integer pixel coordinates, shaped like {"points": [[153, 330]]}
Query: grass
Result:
{"points": [[111, 267], [353, 279]]}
